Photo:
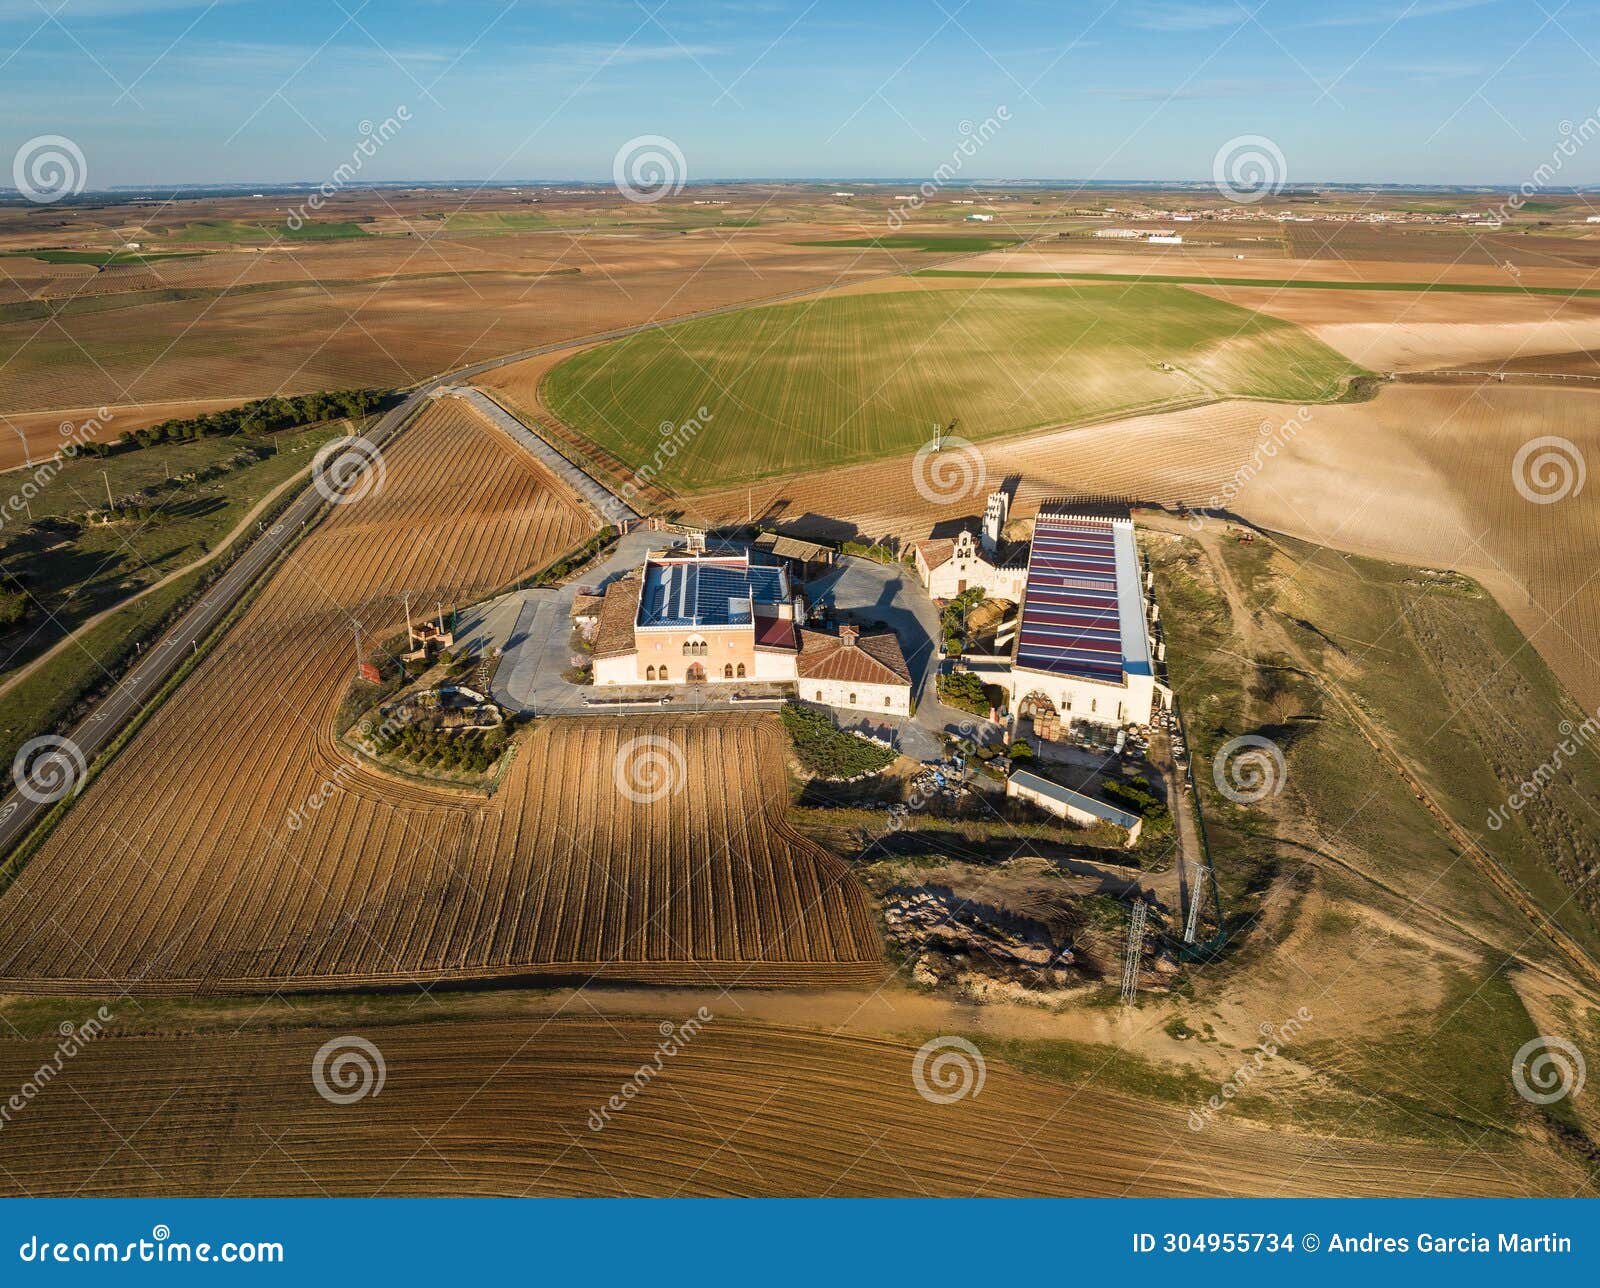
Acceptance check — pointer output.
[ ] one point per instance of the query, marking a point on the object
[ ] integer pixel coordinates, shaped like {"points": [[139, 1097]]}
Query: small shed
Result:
{"points": [[1063, 802], [805, 558]]}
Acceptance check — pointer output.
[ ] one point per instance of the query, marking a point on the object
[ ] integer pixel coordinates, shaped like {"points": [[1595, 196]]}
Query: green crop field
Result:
{"points": [[495, 221], [233, 230], [796, 386], [101, 258], [947, 243], [1282, 283]]}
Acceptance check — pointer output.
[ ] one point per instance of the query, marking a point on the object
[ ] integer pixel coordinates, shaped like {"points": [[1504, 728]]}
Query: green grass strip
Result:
{"points": [[1454, 288]]}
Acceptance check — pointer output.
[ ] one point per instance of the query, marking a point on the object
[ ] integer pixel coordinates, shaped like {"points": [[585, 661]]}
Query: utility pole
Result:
{"points": [[1197, 896], [1130, 964], [27, 454]]}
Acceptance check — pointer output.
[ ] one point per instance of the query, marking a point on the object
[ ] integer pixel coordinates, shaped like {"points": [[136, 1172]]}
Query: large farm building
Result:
{"points": [[692, 616], [1081, 655]]}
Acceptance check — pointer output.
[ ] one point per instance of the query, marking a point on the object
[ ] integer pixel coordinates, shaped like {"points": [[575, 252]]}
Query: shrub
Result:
{"points": [[1134, 795], [828, 751], [965, 691]]}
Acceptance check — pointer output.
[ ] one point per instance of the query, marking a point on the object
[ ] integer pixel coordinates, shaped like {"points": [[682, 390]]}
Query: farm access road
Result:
{"points": [[96, 731]]}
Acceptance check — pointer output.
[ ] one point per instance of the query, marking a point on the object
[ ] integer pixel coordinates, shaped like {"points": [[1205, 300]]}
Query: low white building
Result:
{"points": [[854, 671], [1063, 802]]}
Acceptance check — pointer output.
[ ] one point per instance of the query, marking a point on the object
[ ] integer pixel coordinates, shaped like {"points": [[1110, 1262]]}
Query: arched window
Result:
{"points": [[688, 647], [888, 702], [852, 699], [727, 671], [819, 695], [649, 673], [741, 670]]}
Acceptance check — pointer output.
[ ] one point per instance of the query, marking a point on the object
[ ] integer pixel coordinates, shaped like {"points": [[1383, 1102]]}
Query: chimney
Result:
{"points": [[848, 634]]}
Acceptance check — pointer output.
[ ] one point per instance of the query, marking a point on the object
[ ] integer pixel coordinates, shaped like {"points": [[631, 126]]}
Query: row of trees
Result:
{"points": [[263, 416]]}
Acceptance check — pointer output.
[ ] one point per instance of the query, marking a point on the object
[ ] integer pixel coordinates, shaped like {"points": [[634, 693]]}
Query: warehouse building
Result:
{"points": [[1083, 653]]}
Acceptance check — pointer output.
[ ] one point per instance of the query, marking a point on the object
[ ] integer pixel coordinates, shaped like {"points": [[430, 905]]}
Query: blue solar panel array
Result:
{"points": [[706, 594], [1070, 620]]}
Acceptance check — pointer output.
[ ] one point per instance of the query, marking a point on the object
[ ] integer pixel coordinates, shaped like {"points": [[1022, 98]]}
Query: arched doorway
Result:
{"points": [[696, 674], [1043, 720]]}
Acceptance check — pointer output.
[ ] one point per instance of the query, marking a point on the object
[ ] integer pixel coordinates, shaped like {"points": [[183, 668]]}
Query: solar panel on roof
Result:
{"points": [[708, 594], [1071, 623]]}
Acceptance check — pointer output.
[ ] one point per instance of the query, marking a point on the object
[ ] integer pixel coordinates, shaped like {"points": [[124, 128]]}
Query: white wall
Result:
{"points": [[774, 666], [1063, 810], [875, 699], [1076, 699]]}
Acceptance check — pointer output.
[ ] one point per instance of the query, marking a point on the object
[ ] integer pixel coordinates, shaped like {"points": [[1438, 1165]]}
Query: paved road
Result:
{"points": [[96, 731], [869, 592], [611, 507]]}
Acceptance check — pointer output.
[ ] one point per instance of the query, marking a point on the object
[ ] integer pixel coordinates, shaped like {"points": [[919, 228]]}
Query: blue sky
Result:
{"points": [[187, 91]]}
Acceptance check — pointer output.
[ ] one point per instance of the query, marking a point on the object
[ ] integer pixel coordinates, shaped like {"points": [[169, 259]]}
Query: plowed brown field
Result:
{"points": [[342, 315], [43, 429], [498, 1108], [1421, 475], [184, 866]]}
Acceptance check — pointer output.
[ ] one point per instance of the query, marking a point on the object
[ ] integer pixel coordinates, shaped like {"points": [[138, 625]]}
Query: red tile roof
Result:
{"points": [[613, 633], [873, 659]]}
